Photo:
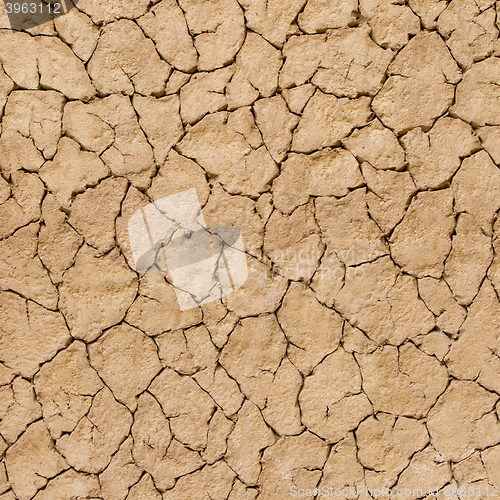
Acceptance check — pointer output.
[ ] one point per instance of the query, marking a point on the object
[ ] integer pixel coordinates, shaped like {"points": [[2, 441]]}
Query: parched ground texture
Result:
{"points": [[356, 147]]}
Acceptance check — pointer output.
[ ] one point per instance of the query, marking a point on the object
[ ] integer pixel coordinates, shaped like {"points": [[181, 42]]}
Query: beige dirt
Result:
{"points": [[356, 147]]}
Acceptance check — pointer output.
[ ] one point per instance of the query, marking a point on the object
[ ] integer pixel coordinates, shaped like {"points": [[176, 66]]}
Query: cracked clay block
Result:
{"points": [[355, 147]]}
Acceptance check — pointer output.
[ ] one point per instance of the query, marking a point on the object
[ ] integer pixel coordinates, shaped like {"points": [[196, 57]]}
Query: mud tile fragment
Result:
{"points": [[354, 340], [348, 230], [114, 9], [490, 140], [474, 357], [388, 196], [343, 467], [491, 460], [424, 63], [24, 206], [204, 93], [5, 190], [93, 213], [422, 241], [18, 152], [144, 490], [391, 23], [434, 157], [21, 269], [236, 211], [56, 258], [293, 243], [65, 387], [4, 482], [85, 126], [156, 309], [328, 279], [253, 360], [36, 114], [326, 120], [386, 444], [219, 322], [264, 206], [213, 480], [276, 124], [294, 460], [179, 173], [31, 335], [261, 293], [471, 255], [330, 172], [282, 411], [246, 442], [32, 461], [166, 25], [352, 64], [160, 120], [439, 299], [240, 92], [154, 449], [72, 171], [427, 464], [319, 15], [176, 81], [127, 361], [133, 201], [218, 29], [470, 470], [220, 428], [227, 156], [416, 380], [18, 408], [187, 406], [96, 293], [272, 19], [476, 99], [463, 420], [79, 32], [98, 435], [191, 352], [120, 474], [243, 122], [309, 343], [19, 64], [6, 86], [125, 61], [297, 97], [61, 70], [428, 11], [69, 484], [344, 62], [302, 59], [376, 145], [110, 126], [434, 343], [332, 401], [476, 187], [241, 492], [257, 63], [470, 31], [385, 306]]}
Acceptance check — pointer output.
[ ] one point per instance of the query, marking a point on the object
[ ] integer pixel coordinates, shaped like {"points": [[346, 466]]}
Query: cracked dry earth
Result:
{"points": [[356, 147]]}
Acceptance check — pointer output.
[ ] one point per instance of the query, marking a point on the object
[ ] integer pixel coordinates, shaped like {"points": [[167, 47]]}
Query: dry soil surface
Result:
{"points": [[356, 147]]}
